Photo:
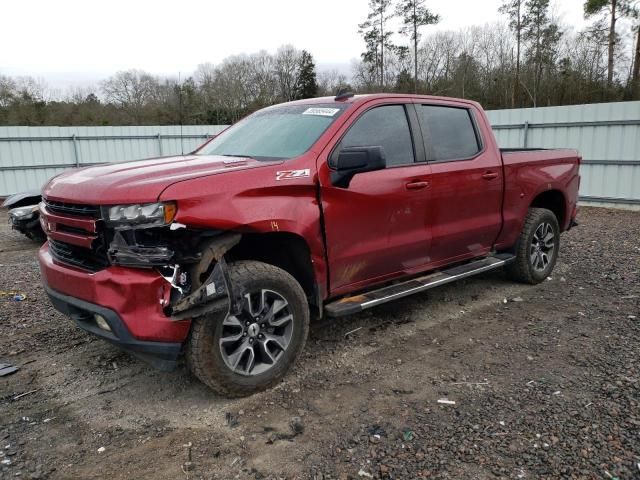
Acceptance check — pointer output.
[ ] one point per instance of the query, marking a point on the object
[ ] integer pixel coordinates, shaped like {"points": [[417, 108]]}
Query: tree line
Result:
{"points": [[214, 94], [527, 59]]}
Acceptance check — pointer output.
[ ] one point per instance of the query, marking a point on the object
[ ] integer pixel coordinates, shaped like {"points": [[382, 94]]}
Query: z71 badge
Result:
{"points": [[291, 174]]}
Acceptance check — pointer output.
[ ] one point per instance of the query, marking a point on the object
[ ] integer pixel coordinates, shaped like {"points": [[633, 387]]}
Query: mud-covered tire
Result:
{"points": [[527, 267], [204, 353]]}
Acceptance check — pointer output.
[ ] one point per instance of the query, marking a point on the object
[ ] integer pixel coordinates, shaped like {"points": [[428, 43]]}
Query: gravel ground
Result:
{"points": [[545, 381]]}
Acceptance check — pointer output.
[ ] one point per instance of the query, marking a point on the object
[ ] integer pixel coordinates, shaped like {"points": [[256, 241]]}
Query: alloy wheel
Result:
{"points": [[542, 247], [254, 340]]}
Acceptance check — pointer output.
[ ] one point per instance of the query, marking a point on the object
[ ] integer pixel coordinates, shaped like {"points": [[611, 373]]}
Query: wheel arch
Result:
{"points": [[555, 201], [285, 250]]}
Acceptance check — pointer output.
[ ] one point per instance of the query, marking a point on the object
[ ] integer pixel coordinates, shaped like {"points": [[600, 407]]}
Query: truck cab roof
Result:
{"points": [[367, 97]]}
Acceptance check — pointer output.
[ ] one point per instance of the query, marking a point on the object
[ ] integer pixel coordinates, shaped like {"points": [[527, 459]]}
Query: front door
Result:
{"points": [[377, 227]]}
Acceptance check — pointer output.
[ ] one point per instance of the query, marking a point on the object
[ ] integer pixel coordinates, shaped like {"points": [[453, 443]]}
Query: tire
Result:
{"points": [[536, 252], [215, 344]]}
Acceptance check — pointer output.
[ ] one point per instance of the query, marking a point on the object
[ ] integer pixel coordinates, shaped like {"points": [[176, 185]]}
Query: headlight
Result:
{"points": [[146, 214], [23, 213]]}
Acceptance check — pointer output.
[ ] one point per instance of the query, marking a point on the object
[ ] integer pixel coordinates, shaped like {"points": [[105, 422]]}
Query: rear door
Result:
{"points": [[377, 228], [466, 183]]}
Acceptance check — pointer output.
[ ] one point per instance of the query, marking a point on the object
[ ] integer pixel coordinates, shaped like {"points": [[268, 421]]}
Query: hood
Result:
{"points": [[138, 181], [31, 197]]}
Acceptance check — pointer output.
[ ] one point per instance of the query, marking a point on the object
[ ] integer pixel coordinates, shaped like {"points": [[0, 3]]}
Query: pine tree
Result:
{"points": [[307, 86], [635, 71], [543, 37], [414, 15], [375, 35], [614, 9], [514, 9]]}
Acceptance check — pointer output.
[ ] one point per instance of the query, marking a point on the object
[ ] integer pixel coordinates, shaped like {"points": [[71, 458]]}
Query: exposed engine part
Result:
{"points": [[177, 278], [122, 253], [158, 247], [191, 261], [212, 295], [213, 292]]}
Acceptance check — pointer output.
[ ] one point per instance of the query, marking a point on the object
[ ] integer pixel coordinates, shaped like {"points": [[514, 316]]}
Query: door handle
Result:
{"points": [[490, 175], [417, 185]]}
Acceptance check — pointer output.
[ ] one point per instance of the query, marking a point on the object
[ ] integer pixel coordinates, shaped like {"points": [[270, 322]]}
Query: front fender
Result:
{"points": [[255, 202]]}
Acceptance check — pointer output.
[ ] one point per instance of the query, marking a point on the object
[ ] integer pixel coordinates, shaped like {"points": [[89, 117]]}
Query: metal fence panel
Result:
{"points": [[31, 155], [606, 134]]}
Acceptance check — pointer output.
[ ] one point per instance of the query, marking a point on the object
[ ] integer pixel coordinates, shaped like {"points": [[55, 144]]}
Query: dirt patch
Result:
{"points": [[546, 385]]}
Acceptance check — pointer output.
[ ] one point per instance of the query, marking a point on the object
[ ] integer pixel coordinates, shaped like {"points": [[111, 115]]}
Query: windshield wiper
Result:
{"points": [[249, 157], [237, 156]]}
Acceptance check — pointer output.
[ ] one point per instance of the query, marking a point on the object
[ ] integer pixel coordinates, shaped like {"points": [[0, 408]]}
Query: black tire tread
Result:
{"points": [[202, 365], [520, 269]]}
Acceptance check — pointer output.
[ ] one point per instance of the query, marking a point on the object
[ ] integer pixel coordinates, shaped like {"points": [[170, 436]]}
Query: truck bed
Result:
{"points": [[528, 172]]}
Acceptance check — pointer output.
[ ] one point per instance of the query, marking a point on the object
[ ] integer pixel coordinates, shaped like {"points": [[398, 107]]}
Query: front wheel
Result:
{"points": [[537, 247], [253, 349]]}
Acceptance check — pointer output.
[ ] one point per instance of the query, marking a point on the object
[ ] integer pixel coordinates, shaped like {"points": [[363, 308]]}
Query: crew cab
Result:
{"points": [[325, 206]]}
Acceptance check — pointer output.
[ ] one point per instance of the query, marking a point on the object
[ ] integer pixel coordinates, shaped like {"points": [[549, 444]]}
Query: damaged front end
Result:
{"points": [[26, 220], [190, 260]]}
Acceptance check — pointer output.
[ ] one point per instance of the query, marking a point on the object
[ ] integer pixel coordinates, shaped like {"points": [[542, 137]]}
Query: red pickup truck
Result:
{"points": [[325, 206]]}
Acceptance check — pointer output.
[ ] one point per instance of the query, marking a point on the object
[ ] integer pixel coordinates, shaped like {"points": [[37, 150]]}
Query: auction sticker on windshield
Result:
{"points": [[324, 112]]}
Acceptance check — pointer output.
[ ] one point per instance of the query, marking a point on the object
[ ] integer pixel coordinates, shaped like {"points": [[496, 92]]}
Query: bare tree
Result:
{"points": [[132, 90], [31, 88], [287, 62], [8, 90], [365, 78], [205, 74], [232, 86], [79, 94], [264, 80], [330, 81]]}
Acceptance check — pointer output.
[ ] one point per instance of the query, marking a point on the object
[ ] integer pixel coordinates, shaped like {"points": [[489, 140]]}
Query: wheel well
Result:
{"points": [[287, 251], [552, 200]]}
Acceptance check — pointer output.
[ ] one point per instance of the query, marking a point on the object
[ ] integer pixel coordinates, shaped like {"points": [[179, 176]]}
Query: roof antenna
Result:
{"points": [[180, 113], [343, 94]]}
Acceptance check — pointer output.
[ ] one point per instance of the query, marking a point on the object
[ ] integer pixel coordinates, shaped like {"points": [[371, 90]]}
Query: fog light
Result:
{"points": [[101, 322]]}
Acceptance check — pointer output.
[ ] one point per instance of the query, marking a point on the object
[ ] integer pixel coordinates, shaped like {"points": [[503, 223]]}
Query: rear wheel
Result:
{"points": [[253, 349], [537, 247]]}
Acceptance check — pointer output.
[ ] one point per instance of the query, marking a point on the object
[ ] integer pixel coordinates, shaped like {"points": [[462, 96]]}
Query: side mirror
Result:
{"points": [[354, 160]]}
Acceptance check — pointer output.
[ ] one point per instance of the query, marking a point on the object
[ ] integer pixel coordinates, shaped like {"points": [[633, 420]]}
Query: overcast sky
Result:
{"points": [[75, 42]]}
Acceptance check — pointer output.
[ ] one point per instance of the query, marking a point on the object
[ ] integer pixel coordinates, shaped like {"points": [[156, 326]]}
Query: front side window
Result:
{"points": [[450, 131], [387, 127], [275, 133]]}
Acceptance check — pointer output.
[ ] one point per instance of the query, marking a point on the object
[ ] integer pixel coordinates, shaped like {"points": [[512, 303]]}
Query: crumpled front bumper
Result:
{"points": [[130, 299], [162, 355]]}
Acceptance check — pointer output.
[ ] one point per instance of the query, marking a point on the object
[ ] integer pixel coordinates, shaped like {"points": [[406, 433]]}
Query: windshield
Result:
{"points": [[275, 133]]}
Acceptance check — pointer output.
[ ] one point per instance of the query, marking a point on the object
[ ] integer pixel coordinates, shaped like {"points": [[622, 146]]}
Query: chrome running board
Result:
{"points": [[372, 298]]}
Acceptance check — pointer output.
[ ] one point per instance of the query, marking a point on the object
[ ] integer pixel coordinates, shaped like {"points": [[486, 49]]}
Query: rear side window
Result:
{"points": [[450, 131], [387, 127]]}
